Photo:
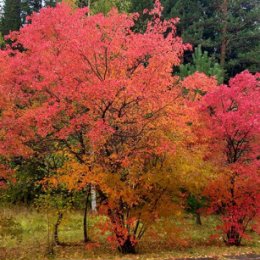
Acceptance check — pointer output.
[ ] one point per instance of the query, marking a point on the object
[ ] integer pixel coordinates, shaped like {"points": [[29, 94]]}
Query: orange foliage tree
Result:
{"points": [[106, 95]]}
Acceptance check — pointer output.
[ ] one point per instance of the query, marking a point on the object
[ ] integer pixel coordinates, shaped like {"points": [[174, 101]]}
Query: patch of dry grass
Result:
{"points": [[24, 236]]}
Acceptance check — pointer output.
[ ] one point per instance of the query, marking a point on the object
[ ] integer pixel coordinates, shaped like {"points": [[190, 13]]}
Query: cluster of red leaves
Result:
{"points": [[86, 80], [120, 226], [232, 116]]}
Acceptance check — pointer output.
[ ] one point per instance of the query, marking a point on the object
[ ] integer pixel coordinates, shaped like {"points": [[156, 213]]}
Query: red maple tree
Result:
{"points": [[100, 91], [233, 123]]}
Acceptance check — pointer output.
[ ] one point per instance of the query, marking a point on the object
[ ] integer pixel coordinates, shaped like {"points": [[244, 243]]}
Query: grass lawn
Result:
{"points": [[24, 236]]}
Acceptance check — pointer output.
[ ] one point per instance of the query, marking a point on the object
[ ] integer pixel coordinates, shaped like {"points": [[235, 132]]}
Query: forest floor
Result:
{"points": [[24, 236]]}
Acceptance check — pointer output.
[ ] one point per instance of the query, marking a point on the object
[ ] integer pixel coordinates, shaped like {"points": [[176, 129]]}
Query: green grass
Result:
{"points": [[24, 236]]}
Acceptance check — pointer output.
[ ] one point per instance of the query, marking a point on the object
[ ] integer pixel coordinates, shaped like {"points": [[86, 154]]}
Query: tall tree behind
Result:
{"points": [[11, 20], [83, 3], [241, 44], [201, 62], [104, 6], [227, 29], [28, 7], [51, 2], [224, 28], [191, 14], [139, 6], [35, 5]]}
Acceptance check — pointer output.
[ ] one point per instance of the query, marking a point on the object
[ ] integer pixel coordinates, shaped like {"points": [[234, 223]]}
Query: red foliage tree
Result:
{"points": [[233, 122], [100, 91]]}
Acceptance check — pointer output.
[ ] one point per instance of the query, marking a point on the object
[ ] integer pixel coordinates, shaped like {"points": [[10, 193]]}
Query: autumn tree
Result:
{"points": [[108, 101], [233, 122], [195, 143]]}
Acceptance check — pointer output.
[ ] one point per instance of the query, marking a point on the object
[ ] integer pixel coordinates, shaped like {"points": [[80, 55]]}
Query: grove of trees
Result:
{"points": [[105, 99]]}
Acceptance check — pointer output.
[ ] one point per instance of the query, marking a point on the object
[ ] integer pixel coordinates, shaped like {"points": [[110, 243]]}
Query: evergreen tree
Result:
{"points": [[82, 3], [51, 3], [242, 37], [191, 16], [11, 20], [28, 7], [203, 63], [104, 6], [227, 29], [139, 6], [35, 5]]}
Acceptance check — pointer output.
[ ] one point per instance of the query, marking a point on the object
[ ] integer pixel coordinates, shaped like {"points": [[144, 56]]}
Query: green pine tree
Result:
{"points": [[138, 6], [203, 63], [51, 3], [227, 29], [35, 5], [82, 3], [11, 20], [104, 6]]}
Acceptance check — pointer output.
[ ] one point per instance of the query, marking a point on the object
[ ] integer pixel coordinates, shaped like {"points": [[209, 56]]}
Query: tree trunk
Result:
{"points": [[223, 48], [56, 229], [93, 199], [89, 4], [85, 220], [233, 237], [11, 20], [50, 244], [198, 218], [128, 247]]}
